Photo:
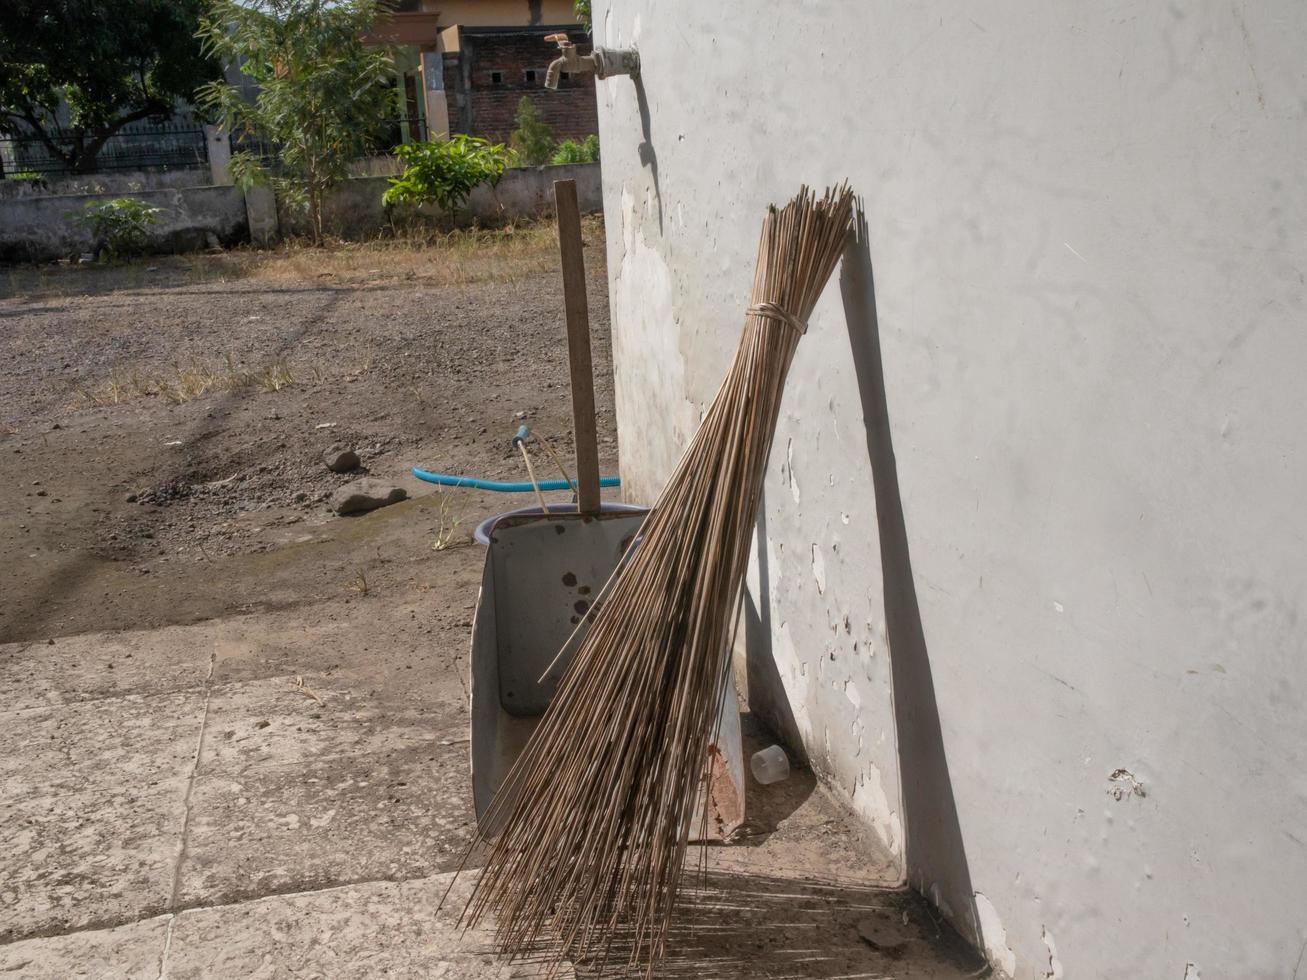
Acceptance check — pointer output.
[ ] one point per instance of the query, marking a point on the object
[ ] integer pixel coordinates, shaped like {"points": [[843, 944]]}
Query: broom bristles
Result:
{"points": [[596, 814]]}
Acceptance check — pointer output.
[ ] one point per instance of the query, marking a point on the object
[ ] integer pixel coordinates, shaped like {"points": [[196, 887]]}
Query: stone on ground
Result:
{"points": [[364, 495], [341, 460]]}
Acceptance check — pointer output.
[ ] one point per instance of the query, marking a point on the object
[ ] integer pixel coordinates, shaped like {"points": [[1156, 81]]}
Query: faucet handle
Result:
{"points": [[561, 39]]}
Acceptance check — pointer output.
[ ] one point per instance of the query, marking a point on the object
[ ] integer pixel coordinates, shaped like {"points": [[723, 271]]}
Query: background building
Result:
{"points": [[465, 65], [1029, 583], [462, 68], [489, 69]]}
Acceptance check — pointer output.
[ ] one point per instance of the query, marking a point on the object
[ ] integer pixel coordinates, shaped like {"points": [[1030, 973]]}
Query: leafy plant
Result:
{"points": [[532, 140], [121, 226], [574, 151], [74, 73], [581, 10], [320, 91], [445, 171]]}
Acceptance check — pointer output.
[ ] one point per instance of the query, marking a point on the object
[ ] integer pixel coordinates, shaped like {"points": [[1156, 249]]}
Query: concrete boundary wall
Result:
{"points": [[39, 226], [355, 210], [114, 182], [33, 229]]}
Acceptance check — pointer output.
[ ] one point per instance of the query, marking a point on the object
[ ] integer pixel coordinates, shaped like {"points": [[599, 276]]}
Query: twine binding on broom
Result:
{"points": [[773, 312]]}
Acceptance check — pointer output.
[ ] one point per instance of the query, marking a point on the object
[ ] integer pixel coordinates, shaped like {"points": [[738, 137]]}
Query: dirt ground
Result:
{"points": [[235, 723], [132, 500]]}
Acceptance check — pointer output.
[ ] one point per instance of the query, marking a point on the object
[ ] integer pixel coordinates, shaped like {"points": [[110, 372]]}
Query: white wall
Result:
{"points": [[1080, 378]]}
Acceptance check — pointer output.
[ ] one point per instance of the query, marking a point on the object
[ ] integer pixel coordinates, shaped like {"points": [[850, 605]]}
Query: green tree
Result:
{"points": [[111, 62], [532, 140], [321, 91]]}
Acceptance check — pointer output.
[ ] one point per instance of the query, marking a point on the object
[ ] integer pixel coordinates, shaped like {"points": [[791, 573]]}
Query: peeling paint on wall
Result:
{"points": [[873, 805], [851, 692], [818, 568], [642, 280], [994, 936], [1125, 785], [789, 470], [1054, 971]]}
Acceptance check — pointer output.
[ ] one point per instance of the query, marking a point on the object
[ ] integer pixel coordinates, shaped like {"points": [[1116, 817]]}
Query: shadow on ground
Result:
{"points": [[766, 807], [744, 925]]}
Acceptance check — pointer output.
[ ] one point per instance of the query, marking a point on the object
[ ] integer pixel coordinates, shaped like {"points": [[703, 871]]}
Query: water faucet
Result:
{"points": [[604, 62]]}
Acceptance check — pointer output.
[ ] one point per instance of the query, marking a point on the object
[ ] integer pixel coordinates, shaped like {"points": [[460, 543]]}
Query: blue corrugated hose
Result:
{"points": [[446, 480]]}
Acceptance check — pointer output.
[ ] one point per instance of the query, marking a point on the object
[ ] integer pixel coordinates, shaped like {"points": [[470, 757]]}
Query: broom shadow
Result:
{"points": [[734, 925], [934, 853], [763, 685]]}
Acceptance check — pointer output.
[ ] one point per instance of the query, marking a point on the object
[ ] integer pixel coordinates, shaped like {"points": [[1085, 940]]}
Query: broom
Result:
{"points": [[595, 817]]}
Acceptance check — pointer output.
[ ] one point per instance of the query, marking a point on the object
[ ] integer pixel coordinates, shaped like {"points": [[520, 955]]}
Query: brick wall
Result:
{"points": [[486, 79]]}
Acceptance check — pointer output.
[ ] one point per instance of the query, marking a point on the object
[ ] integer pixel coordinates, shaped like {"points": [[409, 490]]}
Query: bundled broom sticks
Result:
{"points": [[596, 816]]}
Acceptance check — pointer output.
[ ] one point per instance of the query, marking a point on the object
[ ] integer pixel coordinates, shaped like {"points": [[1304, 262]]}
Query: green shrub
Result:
{"points": [[532, 141], [121, 226], [445, 171], [574, 151]]}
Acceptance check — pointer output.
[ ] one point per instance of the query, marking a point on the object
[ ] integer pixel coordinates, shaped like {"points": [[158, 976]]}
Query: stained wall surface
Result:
{"points": [[1029, 582]]}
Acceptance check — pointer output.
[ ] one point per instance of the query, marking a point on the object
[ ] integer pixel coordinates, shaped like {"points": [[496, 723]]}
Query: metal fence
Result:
{"points": [[164, 147], [171, 147]]}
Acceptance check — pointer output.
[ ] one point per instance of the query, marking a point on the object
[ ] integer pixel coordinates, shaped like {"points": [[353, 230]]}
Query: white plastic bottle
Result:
{"points": [[770, 765]]}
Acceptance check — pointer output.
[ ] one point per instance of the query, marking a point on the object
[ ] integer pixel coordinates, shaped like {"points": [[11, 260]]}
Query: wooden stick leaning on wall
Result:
{"points": [[578, 347]]}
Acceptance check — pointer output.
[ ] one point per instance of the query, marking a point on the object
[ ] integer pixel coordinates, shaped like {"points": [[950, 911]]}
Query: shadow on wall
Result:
{"points": [[648, 157], [935, 856], [763, 686]]}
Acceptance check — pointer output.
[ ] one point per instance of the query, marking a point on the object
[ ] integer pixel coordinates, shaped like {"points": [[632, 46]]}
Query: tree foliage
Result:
{"points": [[581, 10], [112, 62], [532, 140], [445, 171], [321, 92]]}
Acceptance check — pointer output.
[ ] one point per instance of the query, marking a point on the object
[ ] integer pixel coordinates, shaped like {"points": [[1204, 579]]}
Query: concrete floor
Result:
{"points": [[286, 795]]}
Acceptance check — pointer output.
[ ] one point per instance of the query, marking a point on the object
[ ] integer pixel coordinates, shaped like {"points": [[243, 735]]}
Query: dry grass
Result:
{"points": [[186, 382], [426, 256], [449, 522], [453, 258], [359, 584]]}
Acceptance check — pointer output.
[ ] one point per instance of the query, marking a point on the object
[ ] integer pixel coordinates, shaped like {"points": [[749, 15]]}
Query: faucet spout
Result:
{"points": [[567, 60], [553, 72]]}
